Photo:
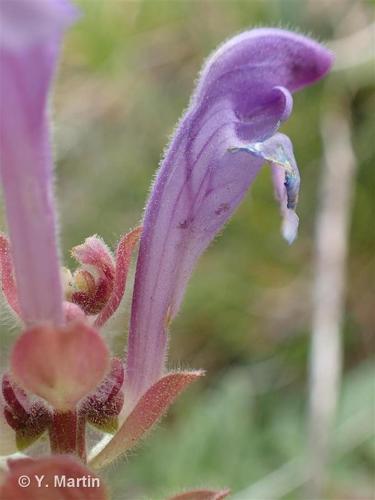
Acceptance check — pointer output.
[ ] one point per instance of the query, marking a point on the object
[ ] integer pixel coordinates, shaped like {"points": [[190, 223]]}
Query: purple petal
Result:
{"points": [[31, 34], [241, 98], [27, 22], [266, 55]]}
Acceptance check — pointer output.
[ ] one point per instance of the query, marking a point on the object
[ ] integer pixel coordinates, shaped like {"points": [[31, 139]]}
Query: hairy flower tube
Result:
{"points": [[227, 133], [61, 375]]}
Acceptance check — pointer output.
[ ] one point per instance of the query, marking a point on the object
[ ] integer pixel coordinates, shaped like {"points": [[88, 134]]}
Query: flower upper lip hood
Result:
{"points": [[228, 131], [269, 54]]}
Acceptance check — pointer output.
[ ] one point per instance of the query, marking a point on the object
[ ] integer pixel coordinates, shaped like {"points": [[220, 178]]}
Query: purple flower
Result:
{"points": [[228, 131], [31, 33], [30, 37]]}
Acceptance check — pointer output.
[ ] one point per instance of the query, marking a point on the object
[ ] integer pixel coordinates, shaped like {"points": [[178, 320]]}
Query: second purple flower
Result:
{"points": [[220, 144]]}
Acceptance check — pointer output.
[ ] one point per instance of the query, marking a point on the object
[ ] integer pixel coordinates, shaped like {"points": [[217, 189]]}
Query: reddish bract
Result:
{"points": [[61, 365], [149, 409]]}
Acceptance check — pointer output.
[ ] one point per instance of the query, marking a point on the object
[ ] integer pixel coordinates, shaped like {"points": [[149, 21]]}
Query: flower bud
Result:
{"points": [[92, 283]]}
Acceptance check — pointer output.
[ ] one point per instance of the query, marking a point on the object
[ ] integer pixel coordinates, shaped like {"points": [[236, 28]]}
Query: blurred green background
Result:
{"points": [[126, 75]]}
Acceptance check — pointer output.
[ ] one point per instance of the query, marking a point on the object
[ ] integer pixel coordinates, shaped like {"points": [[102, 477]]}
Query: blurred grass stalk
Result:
{"points": [[332, 228], [331, 249]]}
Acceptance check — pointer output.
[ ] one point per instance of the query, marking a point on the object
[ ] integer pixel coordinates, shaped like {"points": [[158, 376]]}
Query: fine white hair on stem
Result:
{"points": [[331, 248]]}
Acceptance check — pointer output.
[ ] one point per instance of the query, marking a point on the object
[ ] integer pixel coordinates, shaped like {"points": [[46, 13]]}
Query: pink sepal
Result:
{"points": [[96, 277], [95, 252], [8, 282], [47, 470], [61, 365], [29, 418], [72, 312], [15, 397], [201, 495], [123, 256], [149, 409], [103, 406], [8, 443]]}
